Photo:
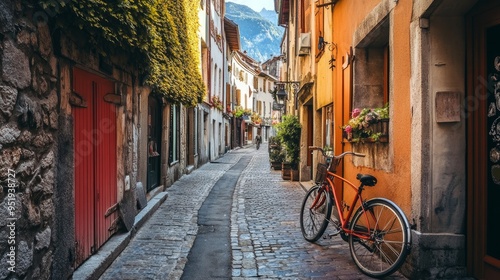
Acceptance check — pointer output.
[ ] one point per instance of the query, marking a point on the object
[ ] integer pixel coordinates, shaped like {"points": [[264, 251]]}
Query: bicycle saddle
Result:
{"points": [[367, 179]]}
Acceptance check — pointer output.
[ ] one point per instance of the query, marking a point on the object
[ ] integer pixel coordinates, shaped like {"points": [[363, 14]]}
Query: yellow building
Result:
{"points": [[436, 63]]}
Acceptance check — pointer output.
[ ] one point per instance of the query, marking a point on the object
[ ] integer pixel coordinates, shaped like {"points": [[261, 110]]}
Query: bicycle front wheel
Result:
{"points": [[380, 238], [315, 213]]}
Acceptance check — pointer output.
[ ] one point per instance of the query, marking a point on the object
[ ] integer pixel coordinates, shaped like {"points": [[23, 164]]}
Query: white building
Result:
{"points": [[209, 118]]}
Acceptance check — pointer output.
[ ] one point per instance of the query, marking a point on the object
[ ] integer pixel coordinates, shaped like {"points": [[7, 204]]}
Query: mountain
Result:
{"points": [[270, 15], [260, 36]]}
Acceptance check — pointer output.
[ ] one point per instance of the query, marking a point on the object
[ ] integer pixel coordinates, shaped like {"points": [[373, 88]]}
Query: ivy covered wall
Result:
{"points": [[160, 37]]}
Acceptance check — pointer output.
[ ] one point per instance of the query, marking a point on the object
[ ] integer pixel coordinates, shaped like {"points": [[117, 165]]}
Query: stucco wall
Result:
{"points": [[448, 162], [387, 161], [438, 148], [420, 169]]}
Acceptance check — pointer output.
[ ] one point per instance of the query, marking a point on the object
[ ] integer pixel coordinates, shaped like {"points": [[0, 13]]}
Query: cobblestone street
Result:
{"points": [[266, 239]]}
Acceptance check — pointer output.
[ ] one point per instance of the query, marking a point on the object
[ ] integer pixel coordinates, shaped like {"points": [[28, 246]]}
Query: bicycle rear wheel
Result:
{"points": [[315, 213], [381, 238]]}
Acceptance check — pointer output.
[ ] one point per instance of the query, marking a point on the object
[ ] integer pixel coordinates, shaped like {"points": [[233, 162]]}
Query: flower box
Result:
{"points": [[368, 125]]}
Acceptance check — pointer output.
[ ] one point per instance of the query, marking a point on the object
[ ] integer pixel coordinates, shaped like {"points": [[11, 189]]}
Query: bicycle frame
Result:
{"points": [[376, 229], [330, 186]]}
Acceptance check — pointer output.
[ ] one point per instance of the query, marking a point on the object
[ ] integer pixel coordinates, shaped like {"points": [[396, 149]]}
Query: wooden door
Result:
{"points": [[95, 164], [154, 141], [483, 112]]}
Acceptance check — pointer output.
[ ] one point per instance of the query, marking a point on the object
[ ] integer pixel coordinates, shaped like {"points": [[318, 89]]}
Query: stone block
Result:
{"points": [[16, 69], [436, 255], [8, 97], [141, 196]]}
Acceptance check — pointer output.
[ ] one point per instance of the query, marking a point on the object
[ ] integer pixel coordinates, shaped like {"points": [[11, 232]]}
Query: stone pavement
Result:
{"points": [[266, 239]]}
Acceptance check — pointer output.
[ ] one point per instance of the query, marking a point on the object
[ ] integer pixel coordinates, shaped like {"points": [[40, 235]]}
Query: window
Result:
{"points": [[195, 152], [371, 69], [174, 145], [305, 18], [204, 62], [215, 82], [320, 28], [228, 95], [238, 97], [371, 82], [220, 82], [328, 130]]}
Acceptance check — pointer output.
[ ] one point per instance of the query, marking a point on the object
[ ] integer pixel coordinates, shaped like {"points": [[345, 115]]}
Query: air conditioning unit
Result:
{"points": [[304, 43]]}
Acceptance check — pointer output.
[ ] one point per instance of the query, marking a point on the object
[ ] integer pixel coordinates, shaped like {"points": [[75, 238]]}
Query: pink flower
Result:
{"points": [[355, 112], [348, 129]]}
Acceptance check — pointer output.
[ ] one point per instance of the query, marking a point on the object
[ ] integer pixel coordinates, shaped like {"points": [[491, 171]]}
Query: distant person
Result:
{"points": [[258, 140]]}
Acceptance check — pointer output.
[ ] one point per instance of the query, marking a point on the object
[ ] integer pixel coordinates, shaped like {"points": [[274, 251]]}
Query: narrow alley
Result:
{"points": [[266, 241]]}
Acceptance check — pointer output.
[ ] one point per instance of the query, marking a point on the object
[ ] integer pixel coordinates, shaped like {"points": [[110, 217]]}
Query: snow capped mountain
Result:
{"points": [[260, 36]]}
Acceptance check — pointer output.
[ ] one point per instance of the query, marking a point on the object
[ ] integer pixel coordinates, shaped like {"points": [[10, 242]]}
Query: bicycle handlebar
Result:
{"points": [[312, 148]]}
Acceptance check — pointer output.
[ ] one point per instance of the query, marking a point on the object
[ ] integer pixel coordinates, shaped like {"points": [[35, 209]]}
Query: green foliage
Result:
{"points": [[276, 151], [160, 37], [239, 112], [277, 155], [289, 135]]}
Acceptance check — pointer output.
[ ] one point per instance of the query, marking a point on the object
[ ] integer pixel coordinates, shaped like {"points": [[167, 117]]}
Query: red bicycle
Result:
{"points": [[378, 232]]}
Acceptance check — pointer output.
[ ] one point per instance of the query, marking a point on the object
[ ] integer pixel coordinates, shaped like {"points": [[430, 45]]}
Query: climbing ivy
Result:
{"points": [[160, 37]]}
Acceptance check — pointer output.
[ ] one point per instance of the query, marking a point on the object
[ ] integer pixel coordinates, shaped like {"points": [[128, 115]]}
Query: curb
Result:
{"points": [[95, 266], [306, 185]]}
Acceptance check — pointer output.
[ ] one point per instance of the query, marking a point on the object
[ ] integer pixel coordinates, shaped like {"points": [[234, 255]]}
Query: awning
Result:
{"points": [[246, 119]]}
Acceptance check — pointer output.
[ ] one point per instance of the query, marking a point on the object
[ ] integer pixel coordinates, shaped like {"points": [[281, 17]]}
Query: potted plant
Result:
{"points": [[216, 103], [288, 131], [276, 153], [240, 112], [367, 125]]}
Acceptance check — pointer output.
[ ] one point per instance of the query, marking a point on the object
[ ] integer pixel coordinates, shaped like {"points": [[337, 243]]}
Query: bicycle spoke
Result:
{"points": [[315, 213], [383, 250]]}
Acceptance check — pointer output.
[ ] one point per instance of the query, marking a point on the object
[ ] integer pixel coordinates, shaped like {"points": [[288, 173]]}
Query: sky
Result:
{"points": [[255, 5]]}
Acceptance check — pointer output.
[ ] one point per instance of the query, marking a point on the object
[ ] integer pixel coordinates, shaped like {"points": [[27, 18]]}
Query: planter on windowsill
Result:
{"points": [[376, 133]]}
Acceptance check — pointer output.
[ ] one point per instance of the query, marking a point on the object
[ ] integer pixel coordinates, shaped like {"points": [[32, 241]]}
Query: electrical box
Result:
{"points": [[305, 43]]}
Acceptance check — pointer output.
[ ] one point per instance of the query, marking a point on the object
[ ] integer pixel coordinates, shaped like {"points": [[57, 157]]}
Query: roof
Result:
{"points": [[283, 10], [232, 34], [269, 77]]}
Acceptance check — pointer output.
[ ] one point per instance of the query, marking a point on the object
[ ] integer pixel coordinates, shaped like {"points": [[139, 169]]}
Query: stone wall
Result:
{"points": [[28, 146], [37, 224], [37, 203]]}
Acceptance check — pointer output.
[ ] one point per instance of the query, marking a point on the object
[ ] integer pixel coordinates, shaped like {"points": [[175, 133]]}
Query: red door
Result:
{"points": [[95, 164]]}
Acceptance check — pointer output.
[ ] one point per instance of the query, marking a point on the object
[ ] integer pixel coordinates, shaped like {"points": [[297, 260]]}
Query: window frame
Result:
{"points": [[174, 135]]}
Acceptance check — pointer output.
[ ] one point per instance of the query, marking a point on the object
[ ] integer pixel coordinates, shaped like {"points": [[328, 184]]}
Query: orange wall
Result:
{"points": [[394, 185]]}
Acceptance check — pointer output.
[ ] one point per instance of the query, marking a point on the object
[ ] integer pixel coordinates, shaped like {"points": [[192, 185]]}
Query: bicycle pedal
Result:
{"points": [[337, 231]]}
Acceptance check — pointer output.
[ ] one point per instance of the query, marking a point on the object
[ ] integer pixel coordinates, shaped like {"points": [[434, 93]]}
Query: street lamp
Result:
{"points": [[281, 95], [281, 92]]}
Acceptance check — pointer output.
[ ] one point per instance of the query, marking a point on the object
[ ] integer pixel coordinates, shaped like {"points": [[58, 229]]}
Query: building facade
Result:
{"points": [[85, 135], [434, 64]]}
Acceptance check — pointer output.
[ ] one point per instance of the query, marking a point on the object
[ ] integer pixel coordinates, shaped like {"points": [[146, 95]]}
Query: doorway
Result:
{"points": [[483, 151], [95, 163], [154, 141]]}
